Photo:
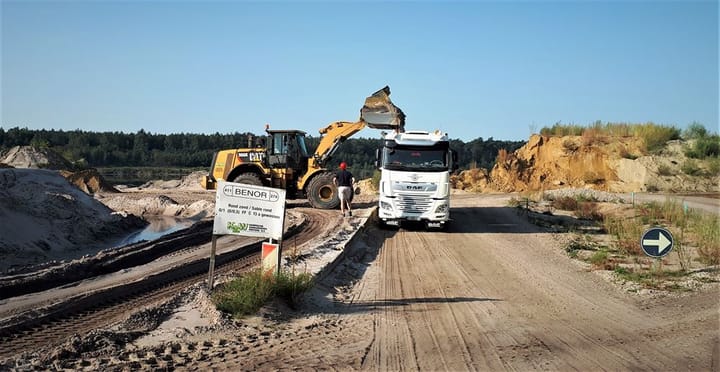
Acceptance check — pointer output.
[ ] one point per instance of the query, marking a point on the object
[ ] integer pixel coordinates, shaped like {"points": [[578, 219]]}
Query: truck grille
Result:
{"points": [[414, 203]]}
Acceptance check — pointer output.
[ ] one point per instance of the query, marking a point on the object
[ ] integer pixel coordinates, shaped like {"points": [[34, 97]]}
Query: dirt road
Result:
{"points": [[492, 293], [495, 294]]}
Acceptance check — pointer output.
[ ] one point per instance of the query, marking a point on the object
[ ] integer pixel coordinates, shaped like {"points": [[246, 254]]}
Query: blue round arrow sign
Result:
{"points": [[656, 242]]}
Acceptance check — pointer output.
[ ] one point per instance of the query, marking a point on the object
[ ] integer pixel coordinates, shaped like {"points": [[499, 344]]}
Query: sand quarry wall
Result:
{"points": [[617, 164]]}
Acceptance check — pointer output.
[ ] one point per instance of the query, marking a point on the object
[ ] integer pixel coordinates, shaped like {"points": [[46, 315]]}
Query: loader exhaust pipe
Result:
{"points": [[380, 113]]}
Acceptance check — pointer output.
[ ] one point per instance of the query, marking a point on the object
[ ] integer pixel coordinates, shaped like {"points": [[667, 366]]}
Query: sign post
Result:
{"points": [[247, 210], [211, 274]]}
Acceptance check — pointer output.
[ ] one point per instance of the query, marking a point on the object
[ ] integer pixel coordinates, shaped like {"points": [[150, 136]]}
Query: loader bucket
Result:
{"points": [[380, 113]]}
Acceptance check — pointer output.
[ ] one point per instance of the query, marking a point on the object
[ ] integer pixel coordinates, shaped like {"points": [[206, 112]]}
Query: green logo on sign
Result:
{"points": [[237, 227]]}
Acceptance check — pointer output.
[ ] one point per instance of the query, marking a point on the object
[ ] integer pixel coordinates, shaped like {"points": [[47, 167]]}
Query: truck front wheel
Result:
{"points": [[322, 193]]}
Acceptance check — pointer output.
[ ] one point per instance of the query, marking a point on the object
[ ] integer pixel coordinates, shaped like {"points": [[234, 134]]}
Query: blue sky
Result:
{"points": [[471, 69]]}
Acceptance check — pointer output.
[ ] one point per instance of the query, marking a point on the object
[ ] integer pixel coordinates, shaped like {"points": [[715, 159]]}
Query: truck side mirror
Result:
{"points": [[377, 158], [455, 164]]}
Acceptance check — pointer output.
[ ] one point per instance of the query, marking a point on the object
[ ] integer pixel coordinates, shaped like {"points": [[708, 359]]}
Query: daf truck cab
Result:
{"points": [[414, 183]]}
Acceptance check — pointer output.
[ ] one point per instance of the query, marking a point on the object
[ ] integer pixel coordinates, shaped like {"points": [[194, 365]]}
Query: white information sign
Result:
{"points": [[249, 210]]}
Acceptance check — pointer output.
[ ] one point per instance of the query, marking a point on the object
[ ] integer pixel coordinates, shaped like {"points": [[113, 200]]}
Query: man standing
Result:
{"points": [[344, 181]]}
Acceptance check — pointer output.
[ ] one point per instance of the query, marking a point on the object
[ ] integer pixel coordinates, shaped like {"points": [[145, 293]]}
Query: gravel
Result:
{"points": [[589, 194]]}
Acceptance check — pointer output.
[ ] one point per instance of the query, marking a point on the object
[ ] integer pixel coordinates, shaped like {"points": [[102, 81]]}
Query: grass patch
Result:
{"points": [[248, 293], [600, 258], [579, 243], [706, 229], [696, 237], [563, 130], [626, 231], [652, 278], [654, 136]]}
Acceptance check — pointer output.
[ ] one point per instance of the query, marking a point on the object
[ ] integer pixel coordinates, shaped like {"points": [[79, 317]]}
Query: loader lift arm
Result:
{"points": [[332, 136], [377, 113]]}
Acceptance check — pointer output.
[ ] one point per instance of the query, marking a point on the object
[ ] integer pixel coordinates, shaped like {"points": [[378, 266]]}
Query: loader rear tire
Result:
{"points": [[322, 193], [248, 179]]}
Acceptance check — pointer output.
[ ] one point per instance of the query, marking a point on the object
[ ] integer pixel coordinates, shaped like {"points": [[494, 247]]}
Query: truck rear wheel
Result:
{"points": [[248, 179], [322, 193]]}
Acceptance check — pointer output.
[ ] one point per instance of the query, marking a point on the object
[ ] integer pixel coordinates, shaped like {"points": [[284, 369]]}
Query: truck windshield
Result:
{"points": [[429, 159]]}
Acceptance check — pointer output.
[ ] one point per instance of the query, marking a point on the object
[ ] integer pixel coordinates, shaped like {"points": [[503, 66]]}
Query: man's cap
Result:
{"points": [[343, 165]]}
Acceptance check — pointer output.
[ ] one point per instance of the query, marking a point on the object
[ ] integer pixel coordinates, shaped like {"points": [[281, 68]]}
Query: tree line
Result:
{"points": [[144, 149]]}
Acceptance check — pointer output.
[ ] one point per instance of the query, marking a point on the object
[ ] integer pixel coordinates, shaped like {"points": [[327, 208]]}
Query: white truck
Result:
{"points": [[414, 183]]}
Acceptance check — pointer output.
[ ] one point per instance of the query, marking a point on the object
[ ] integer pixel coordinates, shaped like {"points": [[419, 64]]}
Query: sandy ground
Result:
{"points": [[44, 218], [492, 293]]}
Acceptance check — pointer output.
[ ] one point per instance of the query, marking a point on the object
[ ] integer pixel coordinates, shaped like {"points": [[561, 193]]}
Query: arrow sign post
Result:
{"points": [[657, 242]]}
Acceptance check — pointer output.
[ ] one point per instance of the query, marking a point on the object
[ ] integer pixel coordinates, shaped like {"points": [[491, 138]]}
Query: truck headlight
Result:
{"points": [[442, 208], [385, 205]]}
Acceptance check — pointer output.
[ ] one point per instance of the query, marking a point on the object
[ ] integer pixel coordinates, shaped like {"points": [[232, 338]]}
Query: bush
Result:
{"points": [[588, 211], [247, 294], [714, 166], [705, 147], [289, 286], [565, 203], [694, 131], [244, 295], [691, 168], [655, 136]]}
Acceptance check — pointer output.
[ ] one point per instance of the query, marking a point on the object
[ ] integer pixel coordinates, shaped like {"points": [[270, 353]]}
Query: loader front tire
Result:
{"points": [[322, 192], [248, 179]]}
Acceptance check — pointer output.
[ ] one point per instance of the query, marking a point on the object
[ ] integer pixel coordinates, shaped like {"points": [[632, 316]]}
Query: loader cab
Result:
{"points": [[286, 149]]}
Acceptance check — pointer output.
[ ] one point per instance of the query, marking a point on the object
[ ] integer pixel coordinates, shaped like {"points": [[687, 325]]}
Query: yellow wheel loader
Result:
{"points": [[281, 160]]}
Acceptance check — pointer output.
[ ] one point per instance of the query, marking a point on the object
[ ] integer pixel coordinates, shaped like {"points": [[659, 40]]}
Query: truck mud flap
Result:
{"points": [[380, 113]]}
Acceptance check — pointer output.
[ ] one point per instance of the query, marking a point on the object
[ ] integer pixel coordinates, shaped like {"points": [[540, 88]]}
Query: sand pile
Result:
{"points": [[159, 205], [43, 217], [35, 157], [89, 181], [190, 181]]}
